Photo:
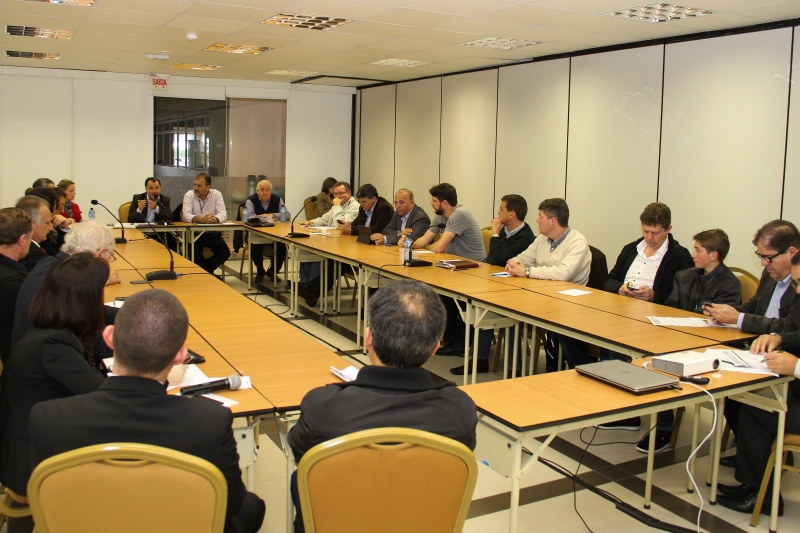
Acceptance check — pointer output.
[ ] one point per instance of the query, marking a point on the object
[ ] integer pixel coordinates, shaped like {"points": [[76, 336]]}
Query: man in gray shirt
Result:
{"points": [[460, 235]]}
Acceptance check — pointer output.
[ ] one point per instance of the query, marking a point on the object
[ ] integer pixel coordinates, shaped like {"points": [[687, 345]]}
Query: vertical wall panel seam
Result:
{"points": [[441, 108], [569, 102], [360, 131], [72, 120], [661, 120], [788, 110], [496, 120], [394, 147]]}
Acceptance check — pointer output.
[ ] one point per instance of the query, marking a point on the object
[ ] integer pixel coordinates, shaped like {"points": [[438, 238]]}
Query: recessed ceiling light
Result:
{"points": [[391, 62], [45, 33], [659, 12], [194, 66], [312, 22], [500, 43], [31, 55], [87, 3], [301, 73], [237, 48], [161, 56]]}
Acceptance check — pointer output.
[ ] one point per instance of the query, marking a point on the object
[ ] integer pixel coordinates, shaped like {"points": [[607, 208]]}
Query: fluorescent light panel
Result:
{"points": [[31, 55], [659, 12], [45, 33], [86, 3], [391, 62], [194, 66], [237, 48], [311, 22], [500, 43], [158, 56], [301, 73]]}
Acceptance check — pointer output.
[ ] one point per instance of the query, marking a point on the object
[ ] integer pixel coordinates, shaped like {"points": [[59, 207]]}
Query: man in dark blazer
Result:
{"points": [[510, 235], [42, 218], [374, 212], [15, 238], [151, 205], [133, 405], [406, 322], [408, 219], [774, 307]]}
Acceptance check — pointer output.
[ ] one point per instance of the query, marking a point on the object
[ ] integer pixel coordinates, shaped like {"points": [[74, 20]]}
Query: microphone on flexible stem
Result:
{"points": [[159, 204], [411, 262], [118, 240], [299, 235], [230, 383], [159, 275]]}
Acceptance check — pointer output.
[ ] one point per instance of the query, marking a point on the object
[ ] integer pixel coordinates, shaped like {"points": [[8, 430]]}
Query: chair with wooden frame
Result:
{"points": [[391, 480], [791, 443], [143, 488]]}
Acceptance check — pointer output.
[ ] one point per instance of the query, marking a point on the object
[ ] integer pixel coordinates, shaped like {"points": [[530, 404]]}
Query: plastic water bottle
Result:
{"points": [[245, 215], [283, 215], [91, 213], [408, 253]]}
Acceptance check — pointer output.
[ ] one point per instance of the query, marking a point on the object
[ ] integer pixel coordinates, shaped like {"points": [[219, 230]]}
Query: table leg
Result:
{"points": [[284, 425], [249, 264], [515, 357], [515, 480], [695, 428], [776, 475], [717, 442], [475, 336], [531, 367], [651, 455]]}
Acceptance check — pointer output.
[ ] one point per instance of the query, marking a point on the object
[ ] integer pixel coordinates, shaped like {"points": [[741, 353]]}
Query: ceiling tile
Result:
{"points": [[526, 14], [282, 32], [340, 37], [593, 6], [151, 6], [82, 46], [204, 40], [337, 9], [717, 21], [601, 39], [229, 13], [445, 37], [129, 17], [315, 46], [549, 33], [116, 27], [405, 45], [484, 27], [375, 28], [412, 17], [97, 37], [45, 10], [207, 24], [781, 11], [596, 23], [59, 23], [469, 8], [278, 5]]}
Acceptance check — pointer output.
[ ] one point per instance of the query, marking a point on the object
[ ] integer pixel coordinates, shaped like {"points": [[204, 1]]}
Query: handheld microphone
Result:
{"points": [[297, 235], [230, 383], [118, 240]]}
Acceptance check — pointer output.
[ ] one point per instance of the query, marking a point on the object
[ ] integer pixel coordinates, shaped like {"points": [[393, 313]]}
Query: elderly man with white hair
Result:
{"points": [[92, 237]]}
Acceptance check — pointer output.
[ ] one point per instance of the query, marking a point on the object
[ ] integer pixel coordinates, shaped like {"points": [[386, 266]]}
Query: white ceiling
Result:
{"points": [[116, 35]]}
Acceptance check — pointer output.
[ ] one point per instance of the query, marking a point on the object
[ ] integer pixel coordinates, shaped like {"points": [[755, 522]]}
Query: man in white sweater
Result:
{"points": [[558, 253]]}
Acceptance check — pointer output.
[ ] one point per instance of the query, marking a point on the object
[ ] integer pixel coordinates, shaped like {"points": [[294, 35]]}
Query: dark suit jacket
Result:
{"points": [[163, 215], [788, 313], [12, 277], [384, 397], [133, 409], [677, 258], [35, 254], [29, 289], [44, 365], [381, 215], [418, 221], [501, 248], [688, 293]]}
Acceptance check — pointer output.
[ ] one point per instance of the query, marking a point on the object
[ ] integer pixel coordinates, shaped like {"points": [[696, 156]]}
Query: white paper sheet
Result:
{"points": [[115, 303], [226, 402], [742, 361], [675, 321], [574, 292], [348, 374]]}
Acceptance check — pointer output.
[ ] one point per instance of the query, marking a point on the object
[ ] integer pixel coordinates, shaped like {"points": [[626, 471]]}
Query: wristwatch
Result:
{"points": [[779, 339], [527, 272]]}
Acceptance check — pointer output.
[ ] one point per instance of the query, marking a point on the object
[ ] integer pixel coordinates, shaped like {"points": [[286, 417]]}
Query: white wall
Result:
{"points": [[714, 153], [97, 130], [377, 139]]}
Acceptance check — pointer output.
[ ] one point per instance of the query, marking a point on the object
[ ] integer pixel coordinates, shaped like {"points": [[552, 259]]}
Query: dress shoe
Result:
{"points": [[312, 299], [483, 368], [734, 490], [270, 274], [259, 278], [629, 424], [746, 502], [729, 461], [457, 351], [662, 442]]}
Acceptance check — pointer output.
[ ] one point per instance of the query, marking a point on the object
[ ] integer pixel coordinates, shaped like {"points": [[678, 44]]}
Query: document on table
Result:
{"points": [[115, 303], [742, 361], [574, 292], [125, 225], [675, 321], [348, 374]]}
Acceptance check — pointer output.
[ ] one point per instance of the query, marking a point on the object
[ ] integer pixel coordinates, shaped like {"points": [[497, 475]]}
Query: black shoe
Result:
{"points": [[733, 490], [629, 424], [746, 502], [312, 299], [457, 351], [729, 461], [483, 368], [662, 442]]}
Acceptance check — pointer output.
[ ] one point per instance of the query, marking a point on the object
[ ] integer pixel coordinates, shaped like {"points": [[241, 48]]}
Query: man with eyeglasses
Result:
{"points": [[773, 309]]}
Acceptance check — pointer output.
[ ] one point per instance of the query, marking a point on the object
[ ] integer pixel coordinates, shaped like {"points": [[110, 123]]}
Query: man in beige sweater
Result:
{"points": [[559, 253]]}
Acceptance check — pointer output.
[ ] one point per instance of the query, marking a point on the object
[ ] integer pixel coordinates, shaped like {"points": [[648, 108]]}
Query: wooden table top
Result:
{"points": [[148, 254]]}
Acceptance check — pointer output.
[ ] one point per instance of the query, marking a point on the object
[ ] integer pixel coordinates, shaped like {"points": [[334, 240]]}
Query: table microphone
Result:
{"points": [[118, 240], [160, 275], [159, 204], [230, 383], [298, 235], [421, 262]]}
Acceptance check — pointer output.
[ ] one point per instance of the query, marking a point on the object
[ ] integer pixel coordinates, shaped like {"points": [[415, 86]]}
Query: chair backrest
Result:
{"points": [[141, 488], [749, 283], [359, 484], [177, 213], [123, 211], [486, 233], [598, 270], [311, 207]]}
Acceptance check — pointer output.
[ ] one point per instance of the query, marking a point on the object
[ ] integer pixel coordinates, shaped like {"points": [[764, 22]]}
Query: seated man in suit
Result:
{"points": [[150, 206], [204, 205], [39, 210], [408, 219], [133, 405], [406, 321], [759, 428], [772, 309], [262, 203], [15, 238]]}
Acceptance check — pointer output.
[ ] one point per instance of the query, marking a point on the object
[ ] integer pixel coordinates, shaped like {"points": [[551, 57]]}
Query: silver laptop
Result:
{"points": [[628, 377]]}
